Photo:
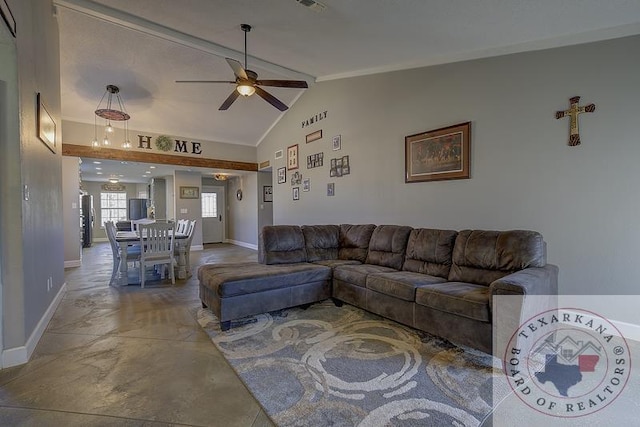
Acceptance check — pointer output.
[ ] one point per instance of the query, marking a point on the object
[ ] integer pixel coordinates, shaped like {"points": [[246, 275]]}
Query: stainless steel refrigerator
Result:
{"points": [[86, 220], [137, 208]]}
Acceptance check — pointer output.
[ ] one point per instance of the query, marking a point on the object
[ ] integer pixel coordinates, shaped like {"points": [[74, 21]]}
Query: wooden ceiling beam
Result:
{"points": [[164, 159]]}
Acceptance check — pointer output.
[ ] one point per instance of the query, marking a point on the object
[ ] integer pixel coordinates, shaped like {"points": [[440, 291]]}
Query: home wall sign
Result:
{"points": [[314, 119], [165, 143], [573, 112]]}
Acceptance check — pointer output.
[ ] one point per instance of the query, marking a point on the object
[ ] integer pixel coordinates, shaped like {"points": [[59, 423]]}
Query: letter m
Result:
{"points": [[181, 146]]}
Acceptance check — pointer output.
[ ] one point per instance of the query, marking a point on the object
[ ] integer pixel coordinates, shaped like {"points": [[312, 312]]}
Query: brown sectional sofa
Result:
{"points": [[439, 281]]}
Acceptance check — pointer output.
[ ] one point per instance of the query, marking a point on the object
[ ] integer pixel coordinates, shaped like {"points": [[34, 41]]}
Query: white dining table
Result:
{"points": [[128, 238]]}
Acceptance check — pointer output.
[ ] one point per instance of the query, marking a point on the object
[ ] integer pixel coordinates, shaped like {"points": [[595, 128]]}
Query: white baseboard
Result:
{"points": [[197, 247], [628, 331], [100, 239], [243, 244], [73, 263], [20, 355]]}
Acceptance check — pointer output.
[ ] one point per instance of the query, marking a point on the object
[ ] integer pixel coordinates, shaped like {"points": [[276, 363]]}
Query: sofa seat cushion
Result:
{"points": [[464, 299], [400, 284], [357, 274], [230, 280]]}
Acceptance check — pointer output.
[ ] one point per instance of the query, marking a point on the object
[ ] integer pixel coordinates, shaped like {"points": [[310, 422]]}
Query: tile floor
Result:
{"points": [[128, 357]]}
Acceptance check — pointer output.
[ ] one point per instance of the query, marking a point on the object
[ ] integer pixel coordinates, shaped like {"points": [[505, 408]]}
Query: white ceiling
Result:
{"points": [[143, 46]]}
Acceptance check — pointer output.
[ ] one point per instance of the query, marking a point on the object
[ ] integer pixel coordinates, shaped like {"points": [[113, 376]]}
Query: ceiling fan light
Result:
{"points": [[246, 90]]}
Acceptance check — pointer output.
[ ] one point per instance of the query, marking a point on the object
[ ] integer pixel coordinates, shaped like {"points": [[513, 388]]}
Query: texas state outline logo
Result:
{"points": [[576, 362]]}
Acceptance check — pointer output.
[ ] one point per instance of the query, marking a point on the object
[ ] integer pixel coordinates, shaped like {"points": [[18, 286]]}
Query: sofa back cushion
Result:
{"points": [[484, 256], [388, 245], [281, 244], [322, 242], [354, 241], [430, 251]]}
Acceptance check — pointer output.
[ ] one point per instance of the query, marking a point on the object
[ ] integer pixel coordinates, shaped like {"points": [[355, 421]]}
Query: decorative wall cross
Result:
{"points": [[573, 112]]}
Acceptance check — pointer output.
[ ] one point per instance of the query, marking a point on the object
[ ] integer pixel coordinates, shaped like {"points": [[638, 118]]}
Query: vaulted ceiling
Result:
{"points": [[143, 46]]}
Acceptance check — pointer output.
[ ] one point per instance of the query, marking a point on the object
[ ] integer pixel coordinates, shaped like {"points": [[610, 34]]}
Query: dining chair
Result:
{"points": [[132, 254], [135, 224], [191, 226], [181, 228], [156, 241]]}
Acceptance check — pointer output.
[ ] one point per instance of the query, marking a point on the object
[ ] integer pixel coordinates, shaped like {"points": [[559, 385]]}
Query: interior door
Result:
{"points": [[213, 214]]}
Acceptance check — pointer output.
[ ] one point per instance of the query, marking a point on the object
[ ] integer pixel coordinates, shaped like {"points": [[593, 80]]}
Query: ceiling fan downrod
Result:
{"points": [[246, 28]]}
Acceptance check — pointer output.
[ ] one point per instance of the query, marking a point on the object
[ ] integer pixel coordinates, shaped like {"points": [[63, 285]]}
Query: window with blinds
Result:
{"points": [[209, 205], [113, 206]]}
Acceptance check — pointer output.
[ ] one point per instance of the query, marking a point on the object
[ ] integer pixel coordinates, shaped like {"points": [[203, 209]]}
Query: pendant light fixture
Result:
{"points": [[109, 113]]}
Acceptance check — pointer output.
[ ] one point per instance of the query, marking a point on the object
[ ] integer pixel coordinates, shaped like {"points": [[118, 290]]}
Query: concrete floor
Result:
{"points": [[128, 357]]}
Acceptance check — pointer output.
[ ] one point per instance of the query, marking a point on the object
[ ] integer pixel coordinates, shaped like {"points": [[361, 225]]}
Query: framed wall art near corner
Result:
{"points": [[438, 154], [46, 126], [282, 175], [189, 192], [267, 193], [292, 157], [295, 193]]}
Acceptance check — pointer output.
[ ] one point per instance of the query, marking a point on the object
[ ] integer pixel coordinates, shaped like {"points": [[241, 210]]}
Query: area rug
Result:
{"points": [[342, 366]]}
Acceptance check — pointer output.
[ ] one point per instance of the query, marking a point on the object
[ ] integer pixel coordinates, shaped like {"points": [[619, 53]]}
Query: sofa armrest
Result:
{"points": [[516, 299], [530, 281]]}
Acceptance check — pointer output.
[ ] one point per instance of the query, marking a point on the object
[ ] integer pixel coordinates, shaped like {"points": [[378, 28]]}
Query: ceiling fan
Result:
{"points": [[247, 82]]}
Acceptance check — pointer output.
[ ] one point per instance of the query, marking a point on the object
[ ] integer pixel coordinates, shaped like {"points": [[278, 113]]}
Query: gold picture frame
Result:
{"points": [[189, 192], [314, 136], [292, 157], [439, 154]]}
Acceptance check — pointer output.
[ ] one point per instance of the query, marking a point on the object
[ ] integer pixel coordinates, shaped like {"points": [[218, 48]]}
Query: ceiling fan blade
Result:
{"points": [[237, 68], [301, 84], [204, 81], [227, 102], [271, 99]]}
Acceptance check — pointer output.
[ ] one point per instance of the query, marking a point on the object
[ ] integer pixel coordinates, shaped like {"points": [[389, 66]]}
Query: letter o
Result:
{"points": [[615, 380], [517, 361], [541, 401]]}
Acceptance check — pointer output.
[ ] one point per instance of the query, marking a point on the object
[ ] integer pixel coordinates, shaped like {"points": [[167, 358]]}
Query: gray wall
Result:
{"points": [[36, 242], [524, 176], [242, 217], [193, 206], [71, 210]]}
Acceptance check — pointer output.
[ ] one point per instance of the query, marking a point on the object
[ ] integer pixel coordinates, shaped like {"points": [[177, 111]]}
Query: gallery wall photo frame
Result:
{"points": [[336, 142], [292, 157], [7, 17], [267, 193], [295, 192], [314, 136], [46, 125], [439, 154], [282, 175], [189, 192]]}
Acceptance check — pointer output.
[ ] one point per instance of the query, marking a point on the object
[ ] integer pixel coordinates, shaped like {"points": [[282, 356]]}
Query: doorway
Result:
{"points": [[213, 214]]}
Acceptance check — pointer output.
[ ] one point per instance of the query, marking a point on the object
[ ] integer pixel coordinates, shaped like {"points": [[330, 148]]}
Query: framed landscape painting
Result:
{"points": [[438, 154]]}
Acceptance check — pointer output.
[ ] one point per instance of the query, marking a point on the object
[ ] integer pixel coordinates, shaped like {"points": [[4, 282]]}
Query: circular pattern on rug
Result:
{"points": [[341, 359], [433, 413]]}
